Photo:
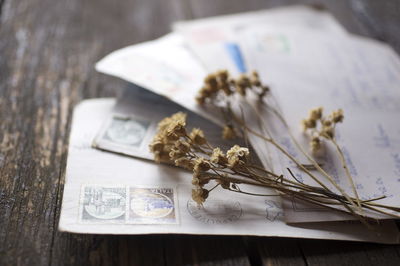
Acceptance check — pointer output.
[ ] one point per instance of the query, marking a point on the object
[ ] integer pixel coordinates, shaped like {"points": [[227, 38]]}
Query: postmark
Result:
{"points": [[103, 204], [153, 205], [126, 131], [215, 211], [273, 210]]}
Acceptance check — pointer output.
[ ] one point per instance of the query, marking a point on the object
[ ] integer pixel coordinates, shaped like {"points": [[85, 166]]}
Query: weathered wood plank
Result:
{"points": [[48, 49], [47, 52], [205, 250], [275, 251], [349, 253]]}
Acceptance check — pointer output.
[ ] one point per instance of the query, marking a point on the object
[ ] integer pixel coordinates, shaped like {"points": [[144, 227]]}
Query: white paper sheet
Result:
{"points": [[164, 66], [360, 76], [303, 69], [106, 193], [214, 40]]}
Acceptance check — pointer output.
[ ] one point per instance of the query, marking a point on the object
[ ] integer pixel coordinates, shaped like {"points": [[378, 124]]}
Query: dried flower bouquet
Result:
{"points": [[213, 167]]}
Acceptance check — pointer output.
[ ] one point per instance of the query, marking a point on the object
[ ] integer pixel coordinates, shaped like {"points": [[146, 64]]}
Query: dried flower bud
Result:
{"points": [[315, 113], [228, 132], [315, 144], [226, 88], [195, 181], [337, 116], [156, 145], [182, 146], [200, 99], [175, 154], [244, 81], [223, 75], [201, 165], [308, 123], [237, 155], [254, 74], [328, 132], [218, 157], [255, 79], [327, 123], [185, 163], [224, 183], [197, 136], [199, 195], [211, 80], [241, 89]]}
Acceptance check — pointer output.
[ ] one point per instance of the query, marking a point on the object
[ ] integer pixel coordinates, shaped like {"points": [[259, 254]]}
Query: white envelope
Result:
{"points": [[107, 193]]}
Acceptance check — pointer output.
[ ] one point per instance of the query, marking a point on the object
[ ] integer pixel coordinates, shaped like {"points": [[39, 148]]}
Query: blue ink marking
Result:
{"points": [[289, 147], [331, 169], [396, 159], [359, 186], [236, 55], [352, 92], [299, 177], [352, 168], [273, 210], [382, 140]]}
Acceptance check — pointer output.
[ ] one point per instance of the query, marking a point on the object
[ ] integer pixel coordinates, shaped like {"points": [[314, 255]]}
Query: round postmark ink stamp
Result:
{"points": [[128, 131], [215, 211]]}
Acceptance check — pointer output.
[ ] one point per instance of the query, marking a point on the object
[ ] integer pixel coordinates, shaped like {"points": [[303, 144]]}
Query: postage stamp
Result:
{"points": [[103, 204], [215, 211], [152, 206], [126, 131]]}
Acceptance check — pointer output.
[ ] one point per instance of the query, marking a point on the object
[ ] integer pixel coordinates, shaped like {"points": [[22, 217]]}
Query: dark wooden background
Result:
{"points": [[47, 52]]}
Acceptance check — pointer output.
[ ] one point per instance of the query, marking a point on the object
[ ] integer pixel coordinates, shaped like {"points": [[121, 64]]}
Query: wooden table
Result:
{"points": [[47, 52]]}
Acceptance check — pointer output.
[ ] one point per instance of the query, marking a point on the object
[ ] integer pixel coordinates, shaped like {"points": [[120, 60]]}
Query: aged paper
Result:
{"points": [[107, 193], [305, 68], [360, 76], [132, 124], [217, 37]]}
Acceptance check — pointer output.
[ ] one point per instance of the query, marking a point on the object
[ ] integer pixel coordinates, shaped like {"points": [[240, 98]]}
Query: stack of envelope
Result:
{"points": [[113, 186]]}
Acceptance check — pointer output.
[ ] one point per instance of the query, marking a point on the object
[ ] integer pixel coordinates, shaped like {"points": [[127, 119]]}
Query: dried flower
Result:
{"points": [[327, 123], [218, 157], [316, 113], [337, 116], [228, 132], [201, 165], [220, 83], [182, 146], [184, 162], [197, 136], [228, 171], [199, 195], [327, 132], [224, 183], [308, 123], [175, 154], [237, 155], [315, 144]]}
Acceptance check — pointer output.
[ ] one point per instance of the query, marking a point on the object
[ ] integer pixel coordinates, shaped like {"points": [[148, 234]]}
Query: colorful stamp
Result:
{"points": [[103, 204], [152, 206]]}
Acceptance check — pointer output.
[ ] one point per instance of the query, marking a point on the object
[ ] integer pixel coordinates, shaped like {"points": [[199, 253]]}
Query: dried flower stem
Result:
{"points": [[228, 170], [346, 168], [318, 167]]}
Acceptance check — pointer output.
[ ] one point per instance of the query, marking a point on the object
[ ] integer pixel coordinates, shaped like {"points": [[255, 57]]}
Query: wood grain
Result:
{"points": [[47, 52]]}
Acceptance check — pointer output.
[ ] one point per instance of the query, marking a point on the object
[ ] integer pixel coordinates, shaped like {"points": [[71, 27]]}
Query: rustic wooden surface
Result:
{"points": [[47, 52]]}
